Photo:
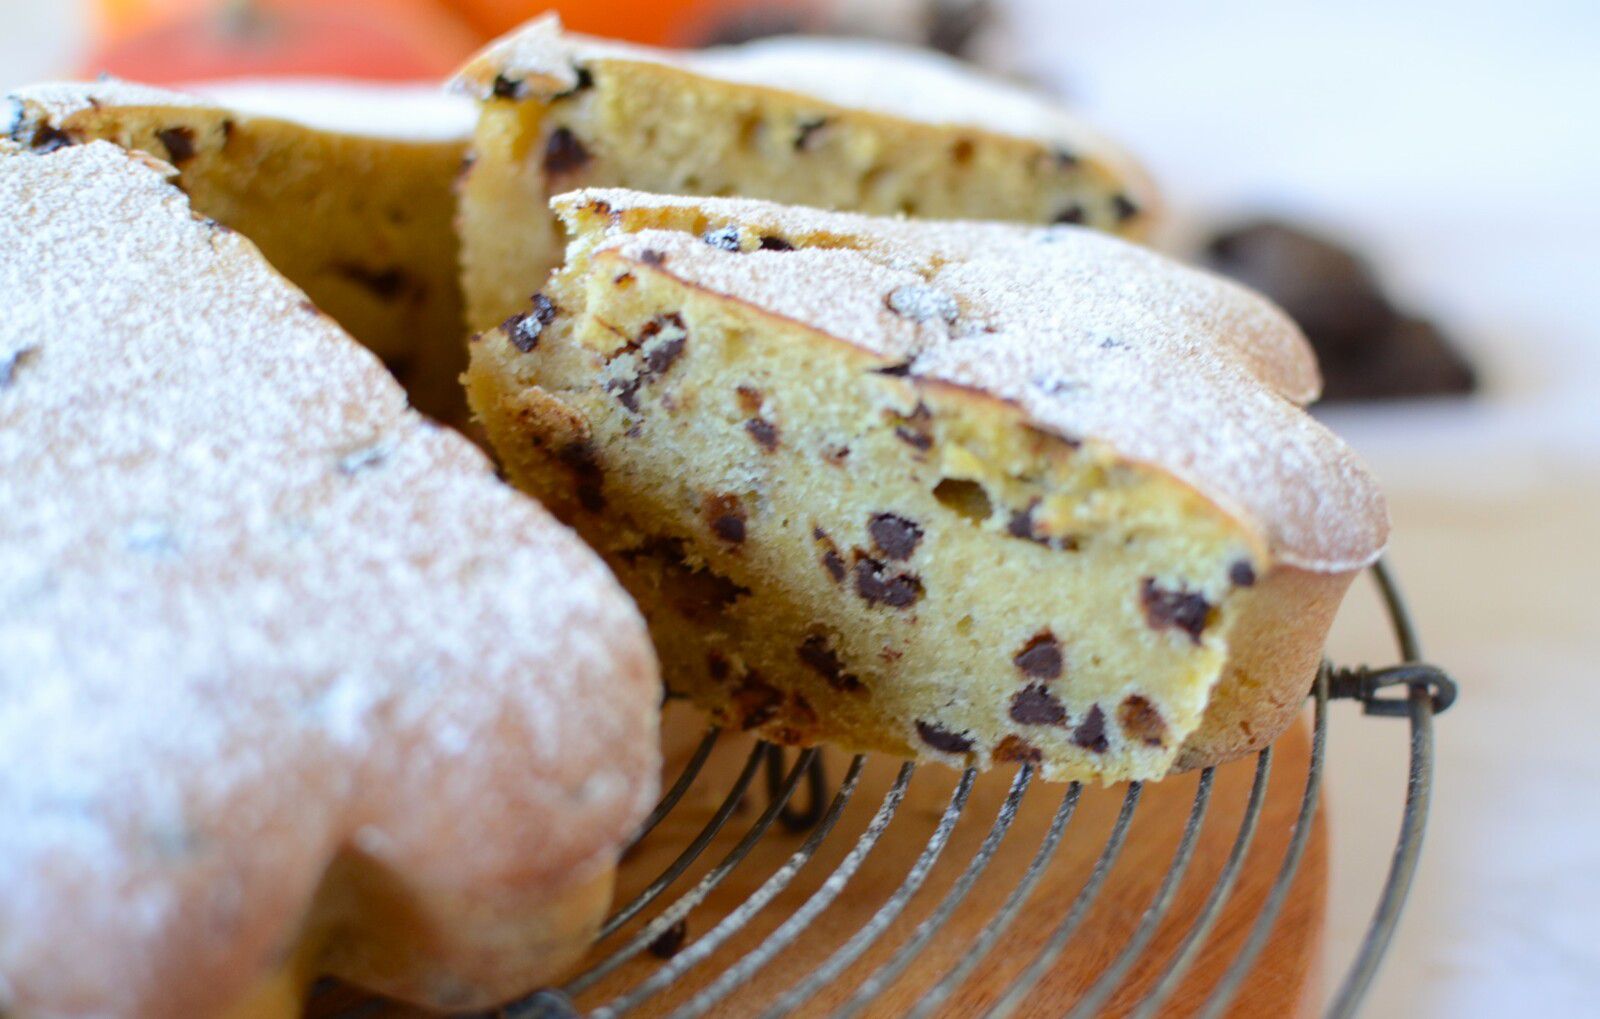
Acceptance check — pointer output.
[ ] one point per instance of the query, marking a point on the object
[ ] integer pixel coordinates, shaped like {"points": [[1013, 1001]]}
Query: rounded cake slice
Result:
{"points": [[832, 123], [969, 491], [289, 683], [346, 189]]}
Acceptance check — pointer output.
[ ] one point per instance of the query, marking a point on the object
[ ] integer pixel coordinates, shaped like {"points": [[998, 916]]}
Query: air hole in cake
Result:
{"points": [[751, 128], [772, 242], [965, 498], [179, 143], [964, 626]]}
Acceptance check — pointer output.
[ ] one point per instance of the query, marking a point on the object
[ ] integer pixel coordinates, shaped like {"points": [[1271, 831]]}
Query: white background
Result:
{"points": [[1458, 144]]}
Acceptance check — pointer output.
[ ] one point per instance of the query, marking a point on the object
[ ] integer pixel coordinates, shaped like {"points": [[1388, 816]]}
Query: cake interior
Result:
{"points": [[828, 548], [661, 129]]}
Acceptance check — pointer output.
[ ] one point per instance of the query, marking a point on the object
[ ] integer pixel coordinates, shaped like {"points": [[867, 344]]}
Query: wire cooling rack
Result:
{"points": [[647, 934]]}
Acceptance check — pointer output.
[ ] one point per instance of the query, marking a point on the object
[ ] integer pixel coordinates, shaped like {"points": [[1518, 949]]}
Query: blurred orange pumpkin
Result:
{"points": [[658, 22], [386, 40]]}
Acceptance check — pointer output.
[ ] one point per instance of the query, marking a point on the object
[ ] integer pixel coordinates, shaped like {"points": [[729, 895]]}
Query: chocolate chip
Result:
{"points": [[179, 143], [764, 432], [896, 371], [580, 459], [831, 560], [563, 152], [772, 242], [1064, 159], [1040, 657], [508, 88], [1035, 705], [1141, 721], [756, 701], [807, 130], [524, 329], [1013, 749], [817, 655], [940, 738], [670, 941], [48, 138], [650, 256], [916, 430], [1242, 574], [1091, 734], [584, 82], [1021, 526], [626, 391], [726, 517], [922, 303], [726, 238], [1169, 609], [894, 536], [1071, 214], [384, 284], [1124, 207], [717, 665], [661, 357], [875, 586]]}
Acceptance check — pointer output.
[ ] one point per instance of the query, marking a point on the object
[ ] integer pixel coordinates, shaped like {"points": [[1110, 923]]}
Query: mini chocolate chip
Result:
{"points": [[1071, 214], [626, 391], [833, 562], [807, 131], [772, 242], [717, 665], [1040, 657], [726, 238], [650, 256], [48, 138], [228, 128], [750, 398], [661, 357], [818, 656], [670, 941], [9, 364], [922, 303], [1013, 749], [584, 81], [1064, 159], [802, 712], [563, 152], [756, 700], [764, 432], [899, 590], [940, 738], [1035, 705], [896, 371], [894, 536], [726, 517], [1180, 609], [507, 88], [580, 458], [916, 430], [179, 142], [524, 329], [1021, 526], [1242, 574], [1091, 734], [1141, 721], [1124, 207]]}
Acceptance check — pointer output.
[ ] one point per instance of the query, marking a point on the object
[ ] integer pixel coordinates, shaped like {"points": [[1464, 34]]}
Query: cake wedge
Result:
{"points": [[973, 492]]}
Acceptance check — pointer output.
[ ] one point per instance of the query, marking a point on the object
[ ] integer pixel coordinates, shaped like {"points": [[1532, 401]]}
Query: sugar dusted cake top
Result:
{"points": [[1092, 338]]}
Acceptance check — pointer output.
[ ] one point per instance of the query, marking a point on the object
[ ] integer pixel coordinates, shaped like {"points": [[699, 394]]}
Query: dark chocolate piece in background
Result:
{"points": [[1368, 350]]}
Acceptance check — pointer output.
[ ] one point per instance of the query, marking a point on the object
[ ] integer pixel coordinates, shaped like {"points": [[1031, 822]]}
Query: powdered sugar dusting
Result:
{"points": [[859, 74], [251, 604], [1091, 337]]}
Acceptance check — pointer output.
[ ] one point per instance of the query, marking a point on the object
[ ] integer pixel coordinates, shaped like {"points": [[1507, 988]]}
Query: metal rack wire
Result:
{"points": [[1410, 689]]}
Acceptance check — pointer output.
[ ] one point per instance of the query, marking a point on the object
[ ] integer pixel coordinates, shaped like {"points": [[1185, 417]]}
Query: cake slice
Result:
{"points": [[841, 124], [290, 683], [347, 190], [972, 492]]}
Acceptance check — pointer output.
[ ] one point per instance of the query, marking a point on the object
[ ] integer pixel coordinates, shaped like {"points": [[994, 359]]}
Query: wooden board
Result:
{"points": [[1283, 982]]}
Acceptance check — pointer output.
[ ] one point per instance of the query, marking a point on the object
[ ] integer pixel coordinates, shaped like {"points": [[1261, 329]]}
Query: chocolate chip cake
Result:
{"points": [[973, 492], [361, 218], [290, 683], [840, 124]]}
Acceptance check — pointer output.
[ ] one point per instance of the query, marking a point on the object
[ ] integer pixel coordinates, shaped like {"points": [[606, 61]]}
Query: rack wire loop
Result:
{"points": [[1366, 685]]}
